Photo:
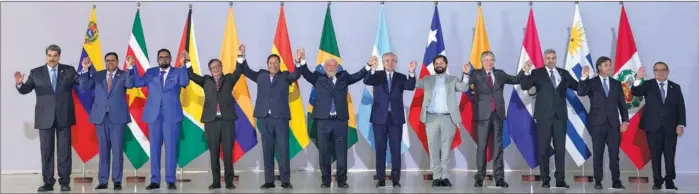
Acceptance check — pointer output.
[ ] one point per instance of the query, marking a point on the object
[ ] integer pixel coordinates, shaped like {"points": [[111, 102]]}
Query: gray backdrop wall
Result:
{"points": [[663, 32]]}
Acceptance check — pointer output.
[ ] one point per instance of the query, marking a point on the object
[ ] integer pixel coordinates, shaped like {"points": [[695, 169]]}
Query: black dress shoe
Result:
{"points": [[545, 184], [501, 183], [267, 186], [562, 184], [231, 186], [324, 186], [478, 183], [618, 185], [65, 188], [215, 186], [396, 184], [446, 183], [45, 188], [117, 186], [669, 184], [342, 185], [101, 186], [152, 186], [287, 186], [598, 185], [436, 183], [381, 183], [171, 186], [657, 186]]}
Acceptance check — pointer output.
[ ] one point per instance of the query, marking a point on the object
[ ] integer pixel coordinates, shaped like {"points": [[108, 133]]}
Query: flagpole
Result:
{"points": [[182, 179], [428, 175], [531, 177]]}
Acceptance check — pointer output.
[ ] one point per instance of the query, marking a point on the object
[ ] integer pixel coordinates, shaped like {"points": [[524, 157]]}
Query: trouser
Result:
{"points": [[440, 131], [662, 144], [485, 128], [552, 129], [275, 143], [391, 134], [168, 133], [110, 138], [611, 137], [220, 135], [332, 137], [61, 137]]}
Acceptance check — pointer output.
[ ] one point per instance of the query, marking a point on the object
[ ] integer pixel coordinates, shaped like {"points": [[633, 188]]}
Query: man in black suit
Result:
{"points": [[489, 113], [663, 119], [218, 116], [387, 114], [550, 113], [331, 114], [607, 103], [54, 114], [272, 112]]}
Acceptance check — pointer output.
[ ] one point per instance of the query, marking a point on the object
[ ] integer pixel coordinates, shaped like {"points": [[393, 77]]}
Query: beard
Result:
{"points": [[164, 65], [439, 70], [331, 73]]}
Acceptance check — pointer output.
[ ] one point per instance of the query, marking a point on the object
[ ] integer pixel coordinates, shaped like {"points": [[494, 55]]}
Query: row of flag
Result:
{"points": [[192, 140]]}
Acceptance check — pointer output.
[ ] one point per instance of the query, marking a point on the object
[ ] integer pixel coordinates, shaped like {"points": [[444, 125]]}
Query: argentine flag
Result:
{"points": [[382, 45], [578, 57]]}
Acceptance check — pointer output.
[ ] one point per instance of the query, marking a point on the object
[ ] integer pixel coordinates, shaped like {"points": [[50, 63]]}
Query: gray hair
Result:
{"points": [[53, 47], [549, 51], [328, 60], [486, 53], [389, 54]]}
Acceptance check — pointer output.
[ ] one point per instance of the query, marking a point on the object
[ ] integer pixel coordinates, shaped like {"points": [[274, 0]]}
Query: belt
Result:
{"points": [[438, 113], [332, 116], [219, 117]]}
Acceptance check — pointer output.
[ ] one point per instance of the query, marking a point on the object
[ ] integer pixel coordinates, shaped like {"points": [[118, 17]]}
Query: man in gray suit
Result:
{"points": [[489, 112], [440, 114]]}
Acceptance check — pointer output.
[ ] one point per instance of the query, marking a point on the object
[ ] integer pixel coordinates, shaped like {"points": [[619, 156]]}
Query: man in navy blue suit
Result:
{"points": [[387, 114], [163, 113], [663, 119], [607, 103], [109, 114]]}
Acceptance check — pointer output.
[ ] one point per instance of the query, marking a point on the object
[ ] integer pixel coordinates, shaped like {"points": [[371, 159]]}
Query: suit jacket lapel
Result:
{"points": [[170, 75], [496, 83], [221, 81], [657, 89], [59, 75], [393, 82]]}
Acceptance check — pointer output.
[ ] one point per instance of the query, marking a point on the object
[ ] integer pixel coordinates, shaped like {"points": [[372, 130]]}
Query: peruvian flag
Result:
{"points": [[626, 63]]}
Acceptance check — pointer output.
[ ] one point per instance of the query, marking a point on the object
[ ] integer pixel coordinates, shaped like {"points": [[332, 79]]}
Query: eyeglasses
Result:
{"points": [[162, 57], [112, 60]]}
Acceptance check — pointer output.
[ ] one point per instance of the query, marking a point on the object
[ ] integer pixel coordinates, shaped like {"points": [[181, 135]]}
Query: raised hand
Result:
{"points": [[300, 55], [641, 73], [129, 61], [241, 50], [528, 66], [373, 60], [467, 68], [184, 58], [412, 66], [585, 71], [86, 63], [19, 78]]}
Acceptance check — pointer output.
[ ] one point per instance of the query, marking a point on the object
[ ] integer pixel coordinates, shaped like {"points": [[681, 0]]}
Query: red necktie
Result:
{"points": [[218, 109], [109, 83], [492, 100]]}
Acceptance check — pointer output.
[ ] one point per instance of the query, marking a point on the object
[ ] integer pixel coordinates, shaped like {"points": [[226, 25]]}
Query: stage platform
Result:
{"points": [[360, 182]]}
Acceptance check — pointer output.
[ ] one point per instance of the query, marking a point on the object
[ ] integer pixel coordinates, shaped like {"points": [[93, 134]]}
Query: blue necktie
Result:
{"points": [[606, 87], [662, 91], [553, 79], [390, 79], [332, 101], [53, 79], [162, 75]]}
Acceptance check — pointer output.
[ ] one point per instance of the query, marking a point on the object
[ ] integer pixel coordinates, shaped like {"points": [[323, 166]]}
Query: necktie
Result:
{"points": [[109, 83], [492, 100], [390, 79], [606, 87], [218, 108], [162, 75], [553, 78], [332, 101], [662, 91], [53, 79]]}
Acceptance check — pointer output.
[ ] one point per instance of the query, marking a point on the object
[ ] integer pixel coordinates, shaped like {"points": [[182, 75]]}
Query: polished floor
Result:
{"points": [[360, 182]]}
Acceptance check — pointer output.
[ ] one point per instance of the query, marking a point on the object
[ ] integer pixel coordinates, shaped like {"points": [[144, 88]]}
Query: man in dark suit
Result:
{"points": [[606, 105], [489, 113], [550, 113], [218, 117], [109, 114], [387, 114], [331, 114], [663, 119], [272, 112], [54, 114]]}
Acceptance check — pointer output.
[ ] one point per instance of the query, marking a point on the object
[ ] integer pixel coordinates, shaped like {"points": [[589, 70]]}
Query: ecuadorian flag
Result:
{"points": [[328, 49]]}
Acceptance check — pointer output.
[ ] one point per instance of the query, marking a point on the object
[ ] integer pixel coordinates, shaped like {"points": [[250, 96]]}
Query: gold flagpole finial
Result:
{"points": [[230, 4], [479, 3], [94, 6], [138, 4], [190, 6]]}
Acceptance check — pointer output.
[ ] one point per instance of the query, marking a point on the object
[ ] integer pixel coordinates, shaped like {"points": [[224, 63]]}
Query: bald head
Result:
{"points": [[330, 67]]}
